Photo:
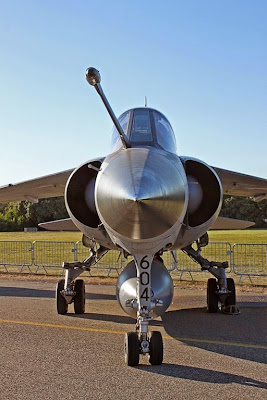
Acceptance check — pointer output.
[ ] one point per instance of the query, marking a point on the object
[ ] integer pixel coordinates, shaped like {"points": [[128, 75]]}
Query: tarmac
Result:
{"points": [[44, 355]]}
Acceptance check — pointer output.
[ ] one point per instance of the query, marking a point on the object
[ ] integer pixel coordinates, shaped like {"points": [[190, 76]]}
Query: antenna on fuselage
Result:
{"points": [[145, 101], [93, 78]]}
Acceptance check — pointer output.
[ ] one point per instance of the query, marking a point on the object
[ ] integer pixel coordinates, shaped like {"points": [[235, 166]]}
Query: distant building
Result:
{"points": [[30, 229]]}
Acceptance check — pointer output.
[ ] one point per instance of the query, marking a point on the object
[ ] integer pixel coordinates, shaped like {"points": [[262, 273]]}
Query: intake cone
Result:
{"points": [[140, 194]]}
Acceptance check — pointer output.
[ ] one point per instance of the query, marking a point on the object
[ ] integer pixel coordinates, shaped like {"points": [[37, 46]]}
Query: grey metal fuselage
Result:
{"points": [[144, 198]]}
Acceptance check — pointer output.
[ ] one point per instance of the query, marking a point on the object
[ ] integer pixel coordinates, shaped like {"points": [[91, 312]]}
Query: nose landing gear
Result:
{"points": [[156, 348], [141, 342], [133, 348]]}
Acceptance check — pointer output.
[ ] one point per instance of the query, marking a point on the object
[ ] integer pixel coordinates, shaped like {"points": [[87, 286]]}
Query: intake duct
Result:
{"points": [[80, 194], [205, 193]]}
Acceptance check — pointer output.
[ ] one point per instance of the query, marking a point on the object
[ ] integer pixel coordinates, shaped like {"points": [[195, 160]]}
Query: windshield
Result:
{"points": [[144, 127], [141, 128], [164, 132], [116, 143]]}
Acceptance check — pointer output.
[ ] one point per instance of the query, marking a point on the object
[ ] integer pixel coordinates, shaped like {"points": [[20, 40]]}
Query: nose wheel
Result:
{"points": [[133, 348], [155, 348]]}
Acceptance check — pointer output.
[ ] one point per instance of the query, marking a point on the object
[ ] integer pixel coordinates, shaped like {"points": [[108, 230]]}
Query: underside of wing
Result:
{"points": [[237, 184], [223, 223], [59, 225], [39, 188]]}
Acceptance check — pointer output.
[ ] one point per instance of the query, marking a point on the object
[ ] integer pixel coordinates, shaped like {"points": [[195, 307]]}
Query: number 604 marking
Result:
{"points": [[145, 278], [144, 264]]}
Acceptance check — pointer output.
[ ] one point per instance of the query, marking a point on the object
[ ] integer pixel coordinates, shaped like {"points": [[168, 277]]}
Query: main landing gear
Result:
{"points": [[76, 295], [220, 291], [142, 342], [70, 290], [216, 296]]}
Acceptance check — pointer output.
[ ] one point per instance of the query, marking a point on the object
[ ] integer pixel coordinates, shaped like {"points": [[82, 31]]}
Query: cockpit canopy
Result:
{"points": [[145, 127]]}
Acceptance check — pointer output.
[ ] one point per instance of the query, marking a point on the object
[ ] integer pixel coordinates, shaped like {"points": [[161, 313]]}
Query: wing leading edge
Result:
{"points": [[39, 188], [237, 184]]}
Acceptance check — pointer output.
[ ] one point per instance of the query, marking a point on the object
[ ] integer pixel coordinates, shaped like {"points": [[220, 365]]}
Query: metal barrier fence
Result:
{"points": [[112, 261], [17, 253], [244, 259], [52, 254], [249, 259], [215, 251]]}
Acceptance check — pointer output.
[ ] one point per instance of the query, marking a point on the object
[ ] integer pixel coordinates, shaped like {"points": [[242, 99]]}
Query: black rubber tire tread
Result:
{"points": [[79, 298], [131, 349], [212, 297], [156, 348], [231, 299], [62, 305]]}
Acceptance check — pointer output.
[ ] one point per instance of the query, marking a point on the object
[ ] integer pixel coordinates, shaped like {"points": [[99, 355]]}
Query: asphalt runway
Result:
{"points": [[206, 356]]}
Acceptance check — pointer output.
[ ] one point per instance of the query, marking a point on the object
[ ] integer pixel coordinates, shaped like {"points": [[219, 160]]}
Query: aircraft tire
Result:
{"points": [[231, 299], [131, 349], [212, 297], [156, 348], [62, 305], [79, 298]]}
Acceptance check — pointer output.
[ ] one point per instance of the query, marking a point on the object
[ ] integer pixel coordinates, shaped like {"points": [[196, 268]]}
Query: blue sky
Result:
{"points": [[202, 63]]}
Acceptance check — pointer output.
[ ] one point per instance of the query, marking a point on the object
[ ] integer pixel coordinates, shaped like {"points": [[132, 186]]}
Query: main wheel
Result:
{"points": [[79, 298], [131, 349], [156, 348], [62, 305], [212, 297], [231, 299]]}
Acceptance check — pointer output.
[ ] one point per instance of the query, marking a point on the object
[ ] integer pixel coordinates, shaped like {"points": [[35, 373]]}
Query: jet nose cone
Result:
{"points": [[140, 194]]}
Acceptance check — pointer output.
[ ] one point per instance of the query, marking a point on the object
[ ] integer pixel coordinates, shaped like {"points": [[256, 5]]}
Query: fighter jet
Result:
{"points": [[142, 199]]}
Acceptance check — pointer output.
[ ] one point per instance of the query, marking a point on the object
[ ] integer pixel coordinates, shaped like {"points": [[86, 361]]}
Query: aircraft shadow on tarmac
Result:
{"points": [[118, 319], [47, 294], [247, 329], [201, 375]]}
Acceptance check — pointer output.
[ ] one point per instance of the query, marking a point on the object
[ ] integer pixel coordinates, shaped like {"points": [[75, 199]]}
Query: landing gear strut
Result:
{"points": [[70, 291], [221, 290], [141, 342]]}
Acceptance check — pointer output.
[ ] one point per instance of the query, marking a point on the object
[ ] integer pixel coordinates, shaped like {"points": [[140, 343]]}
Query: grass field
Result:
{"points": [[238, 236], [42, 235]]}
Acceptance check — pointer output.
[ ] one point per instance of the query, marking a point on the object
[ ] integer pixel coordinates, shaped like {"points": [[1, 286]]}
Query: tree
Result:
{"points": [[245, 208], [17, 215]]}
